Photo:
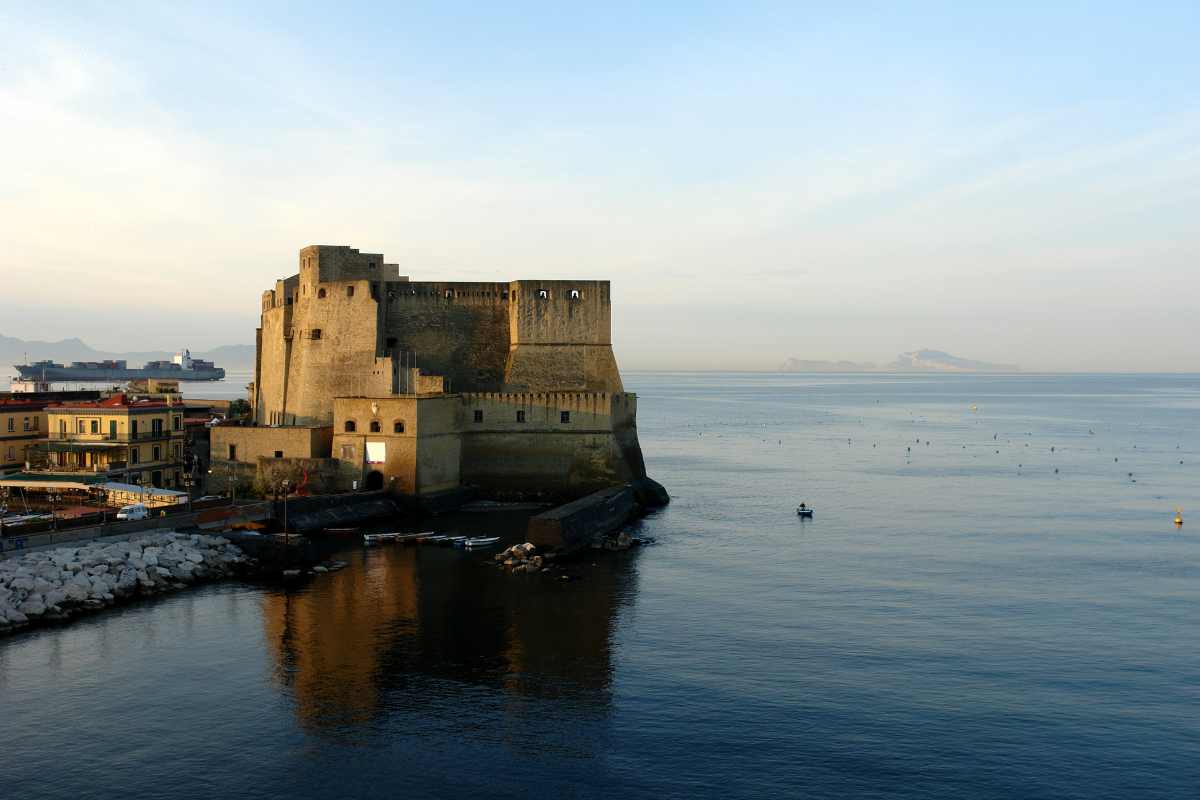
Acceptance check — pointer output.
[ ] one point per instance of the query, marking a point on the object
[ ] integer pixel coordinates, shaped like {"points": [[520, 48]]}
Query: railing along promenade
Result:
{"points": [[15, 540]]}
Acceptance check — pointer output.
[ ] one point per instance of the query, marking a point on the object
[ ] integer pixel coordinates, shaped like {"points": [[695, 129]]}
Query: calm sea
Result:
{"points": [[991, 601]]}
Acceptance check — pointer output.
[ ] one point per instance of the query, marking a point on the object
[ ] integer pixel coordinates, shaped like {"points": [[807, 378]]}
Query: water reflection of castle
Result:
{"points": [[405, 623]]}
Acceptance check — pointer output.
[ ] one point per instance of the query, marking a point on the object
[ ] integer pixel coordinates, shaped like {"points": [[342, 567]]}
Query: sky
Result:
{"points": [[1010, 182]]}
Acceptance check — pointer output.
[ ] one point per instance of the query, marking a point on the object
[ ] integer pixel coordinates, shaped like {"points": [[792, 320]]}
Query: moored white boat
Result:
{"points": [[380, 538], [481, 541]]}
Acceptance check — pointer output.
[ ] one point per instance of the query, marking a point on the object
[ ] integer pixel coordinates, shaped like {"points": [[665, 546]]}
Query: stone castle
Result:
{"points": [[365, 378]]}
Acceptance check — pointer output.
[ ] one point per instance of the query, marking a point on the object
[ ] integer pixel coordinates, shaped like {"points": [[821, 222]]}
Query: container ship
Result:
{"points": [[182, 368]]}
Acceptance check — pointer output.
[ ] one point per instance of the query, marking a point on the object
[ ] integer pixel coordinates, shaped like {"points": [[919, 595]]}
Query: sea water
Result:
{"points": [[991, 600]]}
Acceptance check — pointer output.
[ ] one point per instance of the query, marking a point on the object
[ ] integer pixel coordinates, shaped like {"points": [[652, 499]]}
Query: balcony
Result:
{"points": [[112, 438]]}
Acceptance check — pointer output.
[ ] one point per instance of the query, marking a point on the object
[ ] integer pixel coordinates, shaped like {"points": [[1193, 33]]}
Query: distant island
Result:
{"points": [[15, 351], [914, 361]]}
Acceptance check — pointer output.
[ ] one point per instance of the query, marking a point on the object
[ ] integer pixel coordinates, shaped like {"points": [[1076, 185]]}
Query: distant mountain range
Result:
{"points": [[915, 361], [15, 351]]}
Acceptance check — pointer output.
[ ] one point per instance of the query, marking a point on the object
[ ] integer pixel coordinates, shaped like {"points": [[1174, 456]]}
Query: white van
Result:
{"points": [[135, 511]]}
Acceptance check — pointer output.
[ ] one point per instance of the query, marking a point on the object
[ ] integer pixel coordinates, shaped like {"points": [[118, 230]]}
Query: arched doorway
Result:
{"points": [[374, 480]]}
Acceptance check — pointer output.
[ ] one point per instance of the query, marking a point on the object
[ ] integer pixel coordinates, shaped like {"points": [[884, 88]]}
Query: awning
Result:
{"points": [[26, 480]]}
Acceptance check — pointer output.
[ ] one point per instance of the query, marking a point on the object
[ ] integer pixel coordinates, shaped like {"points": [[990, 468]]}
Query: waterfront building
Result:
{"points": [[422, 387], [137, 442], [22, 426]]}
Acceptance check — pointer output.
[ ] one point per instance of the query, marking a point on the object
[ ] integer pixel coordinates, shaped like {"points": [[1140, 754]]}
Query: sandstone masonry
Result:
{"points": [[426, 386]]}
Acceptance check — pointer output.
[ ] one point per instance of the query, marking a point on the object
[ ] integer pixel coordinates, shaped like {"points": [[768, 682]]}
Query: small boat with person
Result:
{"points": [[803, 510]]}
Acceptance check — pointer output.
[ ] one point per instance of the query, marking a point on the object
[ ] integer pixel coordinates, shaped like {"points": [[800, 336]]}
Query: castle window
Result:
{"points": [[349, 291], [521, 415], [375, 426], [543, 294], [449, 294], [370, 265], [315, 333], [398, 426], [564, 417], [232, 453], [478, 415], [575, 294], [347, 452], [320, 294], [279, 454], [504, 294], [350, 426]]}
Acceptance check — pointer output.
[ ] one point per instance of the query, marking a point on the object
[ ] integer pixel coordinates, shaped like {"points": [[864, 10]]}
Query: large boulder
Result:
{"points": [[22, 583], [183, 572], [127, 582], [33, 606]]}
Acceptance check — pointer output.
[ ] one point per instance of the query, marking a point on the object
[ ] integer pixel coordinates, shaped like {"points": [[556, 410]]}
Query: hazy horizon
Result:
{"points": [[758, 181]]}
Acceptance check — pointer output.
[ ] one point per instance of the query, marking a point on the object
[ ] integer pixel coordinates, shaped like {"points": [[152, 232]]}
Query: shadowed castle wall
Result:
{"points": [[458, 330], [589, 451]]}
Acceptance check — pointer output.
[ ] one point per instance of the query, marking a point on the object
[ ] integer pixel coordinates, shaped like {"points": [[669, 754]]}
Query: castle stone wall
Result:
{"points": [[457, 330], [587, 452], [349, 335]]}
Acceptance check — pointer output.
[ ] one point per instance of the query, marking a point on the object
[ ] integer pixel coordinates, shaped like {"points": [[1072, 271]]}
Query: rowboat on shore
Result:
{"points": [[381, 538], [480, 541]]}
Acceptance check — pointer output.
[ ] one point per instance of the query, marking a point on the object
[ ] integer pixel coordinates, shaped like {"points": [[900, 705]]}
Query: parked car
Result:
{"points": [[135, 511]]}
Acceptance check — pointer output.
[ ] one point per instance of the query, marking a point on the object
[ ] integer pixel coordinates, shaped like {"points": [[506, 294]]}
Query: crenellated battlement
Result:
{"points": [[517, 365]]}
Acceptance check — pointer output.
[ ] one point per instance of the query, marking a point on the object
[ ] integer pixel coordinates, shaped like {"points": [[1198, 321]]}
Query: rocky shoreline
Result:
{"points": [[55, 585]]}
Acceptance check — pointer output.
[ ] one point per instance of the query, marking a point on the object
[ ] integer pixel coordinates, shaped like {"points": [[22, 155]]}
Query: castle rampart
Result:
{"points": [[509, 385]]}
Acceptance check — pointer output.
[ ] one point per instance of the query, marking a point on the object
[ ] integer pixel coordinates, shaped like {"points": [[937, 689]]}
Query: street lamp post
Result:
{"points": [[286, 536]]}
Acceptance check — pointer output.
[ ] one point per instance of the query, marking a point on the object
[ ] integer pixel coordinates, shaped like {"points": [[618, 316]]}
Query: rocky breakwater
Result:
{"points": [[57, 584]]}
